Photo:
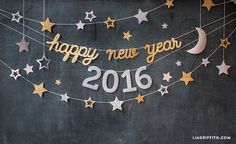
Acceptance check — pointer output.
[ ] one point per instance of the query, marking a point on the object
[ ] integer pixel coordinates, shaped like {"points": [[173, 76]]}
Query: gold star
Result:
{"points": [[110, 23], [47, 25], [89, 103], [127, 35], [39, 89], [140, 98], [58, 82], [169, 3], [224, 43], [187, 77], [208, 4]]}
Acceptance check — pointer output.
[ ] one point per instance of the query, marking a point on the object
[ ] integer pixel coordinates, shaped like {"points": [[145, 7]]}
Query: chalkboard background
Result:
{"points": [[206, 107]]}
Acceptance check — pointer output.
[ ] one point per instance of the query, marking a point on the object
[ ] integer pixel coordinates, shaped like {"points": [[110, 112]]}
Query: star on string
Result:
{"points": [[90, 16], [205, 62], [178, 63], [64, 97], [164, 26], [47, 25], [110, 23], [223, 68], [43, 62], [58, 82], [208, 4], [23, 45], [80, 25], [16, 17], [127, 35], [28, 69], [140, 99], [186, 78], [39, 89], [169, 3], [225, 43], [167, 76], [117, 104], [89, 103], [141, 16], [15, 74], [163, 90]]}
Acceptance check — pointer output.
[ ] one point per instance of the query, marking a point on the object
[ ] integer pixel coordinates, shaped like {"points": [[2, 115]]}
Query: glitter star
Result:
{"points": [[178, 63], [80, 25], [39, 89], [208, 4], [89, 103], [110, 23], [15, 74], [225, 43], [164, 26], [169, 3], [186, 78], [16, 17], [127, 35], [64, 97], [28, 69], [90, 16], [163, 90], [205, 62], [167, 76], [23, 45], [43, 62], [117, 104], [223, 68], [140, 99], [47, 25], [141, 16]]}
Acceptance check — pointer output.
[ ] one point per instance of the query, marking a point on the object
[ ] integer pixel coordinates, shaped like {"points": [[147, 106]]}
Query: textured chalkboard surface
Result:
{"points": [[206, 107]]}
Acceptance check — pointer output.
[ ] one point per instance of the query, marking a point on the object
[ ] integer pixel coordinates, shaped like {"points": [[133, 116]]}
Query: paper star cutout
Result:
{"points": [[140, 99], [58, 82], [224, 43], [43, 62], [110, 23], [23, 45], [39, 89], [169, 3], [163, 90], [141, 16], [208, 4], [28, 69], [205, 62], [89, 103], [127, 35], [16, 17], [117, 104], [15, 74], [223, 68], [164, 26], [178, 63], [186, 78], [80, 25], [90, 16], [64, 97], [47, 25], [167, 76]]}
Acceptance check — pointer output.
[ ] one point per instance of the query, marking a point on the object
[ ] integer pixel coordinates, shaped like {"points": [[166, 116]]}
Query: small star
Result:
{"points": [[205, 62], [58, 82], [90, 16], [208, 4], [64, 97], [89, 103], [15, 74], [141, 16], [39, 89], [178, 63], [16, 17], [224, 43], [169, 3], [140, 99], [117, 104], [47, 25], [163, 90], [43, 62], [110, 23], [80, 25], [223, 68], [28, 69], [127, 35], [167, 76], [164, 26], [23, 45], [186, 78]]}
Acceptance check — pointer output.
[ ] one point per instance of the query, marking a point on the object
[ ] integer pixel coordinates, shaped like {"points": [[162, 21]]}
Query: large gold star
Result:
{"points": [[89, 103], [127, 35], [110, 23], [140, 98], [208, 4], [224, 43], [47, 25], [39, 89], [186, 78], [169, 3]]}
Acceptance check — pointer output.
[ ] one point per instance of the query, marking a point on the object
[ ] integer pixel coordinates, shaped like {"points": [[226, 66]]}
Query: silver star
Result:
{"points": [[167, 76], [164, 26], [141, 16], [16, 17], [117, 104], [178, 63], [28, 69], [15, 74], [205, 62], [223, 68], [163, 90], [43, 62], [90, 16], [23, 45], [64, 97], [80, 25]]}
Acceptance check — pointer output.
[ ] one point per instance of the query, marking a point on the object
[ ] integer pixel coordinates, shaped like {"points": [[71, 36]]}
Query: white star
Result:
{"points": [[205, 62], [80, 25], [167, 76], [64, 97], [28, 69], [15, 74], [90, 16], [141, 16], [164, 26], [223, 68], [43, 62], [178, 63], [117, 104], [163, 90], [16, 17]]}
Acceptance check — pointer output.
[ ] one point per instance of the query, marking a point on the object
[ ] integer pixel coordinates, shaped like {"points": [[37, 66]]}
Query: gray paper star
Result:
{"points": [[23, 45], [205, 62], [65, 97], [141, 16], [117, 104], [28, 69], [223, 68], [15, 74], [43, 62], [90, 16], [163, 90], [80, 25], [16, 17]]}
